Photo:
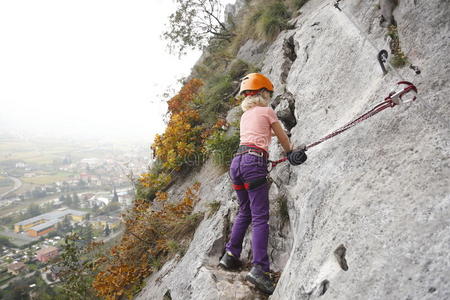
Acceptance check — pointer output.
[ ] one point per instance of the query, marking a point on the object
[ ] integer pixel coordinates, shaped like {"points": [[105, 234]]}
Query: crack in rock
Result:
{"points": [[226, 228], [290, 56], [387, 17], [339, 253], [284, 106], [324, 285], [306, 53]]}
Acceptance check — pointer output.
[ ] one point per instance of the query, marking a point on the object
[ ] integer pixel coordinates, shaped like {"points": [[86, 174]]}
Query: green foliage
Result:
{"points": [[195, 23], [215, 99], [173, 246], [398, 58], [299, 3], [33, 210], [213, 208], [222, 147], [272, 20], [76, 274], [186, 226], [238, 68], [4, 242], [147, 243]]}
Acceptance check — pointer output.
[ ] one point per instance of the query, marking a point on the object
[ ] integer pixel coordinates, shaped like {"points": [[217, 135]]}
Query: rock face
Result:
{"points": [[369, 212]]}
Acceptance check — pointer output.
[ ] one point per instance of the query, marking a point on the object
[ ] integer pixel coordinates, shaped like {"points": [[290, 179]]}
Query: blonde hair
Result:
{"points": [[254, 100]]}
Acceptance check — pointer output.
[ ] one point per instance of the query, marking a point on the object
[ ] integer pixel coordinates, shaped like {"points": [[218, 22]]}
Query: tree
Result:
{"points": [[107, 231], [76, 274], [4, 242], [75, 200], [194, 23], [95, 209], [65, 225], [115, 198], [69, 201], [87, 234], [33, 210], [17, 291]]}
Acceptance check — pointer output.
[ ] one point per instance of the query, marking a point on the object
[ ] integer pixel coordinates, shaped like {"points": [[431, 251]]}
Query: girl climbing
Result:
{"points": [[248, 172]]}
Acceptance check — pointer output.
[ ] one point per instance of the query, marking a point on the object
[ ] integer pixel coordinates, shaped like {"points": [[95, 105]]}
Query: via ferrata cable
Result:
{"points": [[393, 99]]}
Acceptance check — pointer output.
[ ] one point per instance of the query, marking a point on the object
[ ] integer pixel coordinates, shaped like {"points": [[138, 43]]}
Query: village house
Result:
{"points": [[100, 222], [46, 254], [16, 267]]}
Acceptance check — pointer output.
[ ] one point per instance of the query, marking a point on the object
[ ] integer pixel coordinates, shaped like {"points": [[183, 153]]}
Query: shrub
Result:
{"points": [[299, 3], [180, 141], [398, 58], [213, 207], [216, 98], [222, 146], [238, 68], [152, 236], [150, 183], [182, 137], [272, 20], [185, 96]]}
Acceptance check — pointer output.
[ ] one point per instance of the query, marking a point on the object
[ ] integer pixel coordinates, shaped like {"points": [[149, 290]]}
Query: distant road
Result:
{"points": [[17, 185]]}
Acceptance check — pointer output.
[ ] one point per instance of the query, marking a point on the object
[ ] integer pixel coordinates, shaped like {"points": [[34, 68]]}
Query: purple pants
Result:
{"points": [[253, 208]]}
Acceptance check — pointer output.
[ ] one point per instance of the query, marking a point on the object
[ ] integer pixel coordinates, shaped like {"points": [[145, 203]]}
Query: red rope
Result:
{"points": [[378, 108]]}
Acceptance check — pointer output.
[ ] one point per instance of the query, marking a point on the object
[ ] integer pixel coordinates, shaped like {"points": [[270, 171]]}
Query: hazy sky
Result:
{"points": [[86, 67]]}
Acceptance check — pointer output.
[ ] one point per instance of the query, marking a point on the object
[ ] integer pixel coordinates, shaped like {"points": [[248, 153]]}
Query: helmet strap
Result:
{"points": [[251, 93]]}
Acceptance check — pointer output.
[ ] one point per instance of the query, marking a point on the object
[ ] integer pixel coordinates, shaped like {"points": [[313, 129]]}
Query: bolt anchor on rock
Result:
{"points": [[415, 69], [382, 59]]}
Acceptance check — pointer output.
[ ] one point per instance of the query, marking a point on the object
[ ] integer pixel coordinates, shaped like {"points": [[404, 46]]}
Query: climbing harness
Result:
{"points": [[253, 150], [250, 185], [408, 93]]}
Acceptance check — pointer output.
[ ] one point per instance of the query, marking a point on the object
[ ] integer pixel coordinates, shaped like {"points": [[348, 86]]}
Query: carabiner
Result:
{"points": [[402, 97]]}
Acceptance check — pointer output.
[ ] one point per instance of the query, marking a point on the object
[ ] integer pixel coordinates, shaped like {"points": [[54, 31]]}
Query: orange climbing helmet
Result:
{"points": [[255, 82]]}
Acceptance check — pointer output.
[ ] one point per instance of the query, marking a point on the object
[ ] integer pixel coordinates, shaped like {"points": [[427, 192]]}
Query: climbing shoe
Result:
{"points": [[229, 261], [261, 279]]}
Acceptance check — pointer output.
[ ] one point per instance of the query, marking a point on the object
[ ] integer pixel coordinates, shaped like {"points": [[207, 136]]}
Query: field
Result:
{"points": [[32, 152], [48, 178], [4, 189]]}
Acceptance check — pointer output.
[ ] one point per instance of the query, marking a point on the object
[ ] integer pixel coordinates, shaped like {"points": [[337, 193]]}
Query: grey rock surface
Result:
{"points": [[285, 108], [369, 212], [253, 52]]}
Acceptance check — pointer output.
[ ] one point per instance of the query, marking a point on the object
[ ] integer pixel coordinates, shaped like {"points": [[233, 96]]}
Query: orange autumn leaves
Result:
{"points": [[155, 227], [182, 138], [154, 233]]}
